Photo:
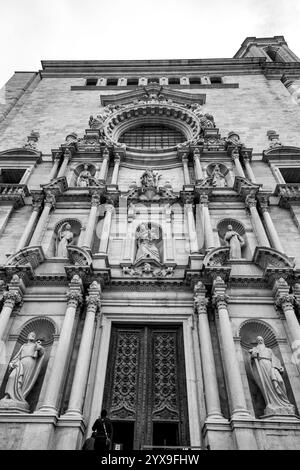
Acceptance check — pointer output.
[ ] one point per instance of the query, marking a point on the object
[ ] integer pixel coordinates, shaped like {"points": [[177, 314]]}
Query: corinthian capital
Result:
{"points": [[12, 298], [220, 300], [250, 201], [285, 301], [95, 200], [93, 299], [74, 298], [50, 200]]}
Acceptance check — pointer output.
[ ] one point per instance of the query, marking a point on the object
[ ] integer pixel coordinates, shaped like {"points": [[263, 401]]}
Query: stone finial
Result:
{"points": [[32, 140], [274, 139]]}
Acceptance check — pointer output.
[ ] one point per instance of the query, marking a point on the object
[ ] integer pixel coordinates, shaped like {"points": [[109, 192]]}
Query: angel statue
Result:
{"points": [[24, 369], [146, 241], [64, 238]]}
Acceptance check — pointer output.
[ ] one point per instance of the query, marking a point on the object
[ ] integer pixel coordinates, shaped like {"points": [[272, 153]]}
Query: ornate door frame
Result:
{"points": [[146, 379]]}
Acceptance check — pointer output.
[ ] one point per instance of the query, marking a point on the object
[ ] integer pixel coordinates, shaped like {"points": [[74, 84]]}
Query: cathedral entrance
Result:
{"points": [[145, 388]]}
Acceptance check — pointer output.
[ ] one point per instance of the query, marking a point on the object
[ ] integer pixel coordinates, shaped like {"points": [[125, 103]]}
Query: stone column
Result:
{"points": [[89, 232], [84, 354], [168, 236], [192, 228], [212, 399], [272, 232], [104, 166], [249, 169], [53, 171], [208, 232], [12, 297], [58, 371], [236, 159], [257, 224], [66, 159], [197, 165], [185, 166], [114, 179], [285, 300], [106, 229], [234, 381], [37, 201], [48, 205]]}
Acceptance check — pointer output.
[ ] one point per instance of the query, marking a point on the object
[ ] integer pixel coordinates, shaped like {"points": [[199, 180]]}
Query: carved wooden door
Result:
{"points": [[145, 389]]}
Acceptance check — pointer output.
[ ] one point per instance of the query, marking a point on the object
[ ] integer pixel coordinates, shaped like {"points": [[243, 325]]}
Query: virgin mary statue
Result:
{"points": [[24, 369]]}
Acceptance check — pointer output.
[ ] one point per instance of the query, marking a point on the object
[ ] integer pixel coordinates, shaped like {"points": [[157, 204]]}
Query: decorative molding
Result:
{"points": [[30, 255]]}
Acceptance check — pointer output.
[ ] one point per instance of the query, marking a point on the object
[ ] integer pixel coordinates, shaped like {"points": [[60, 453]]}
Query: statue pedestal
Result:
{"points": [[271, 411], [13, 406]]}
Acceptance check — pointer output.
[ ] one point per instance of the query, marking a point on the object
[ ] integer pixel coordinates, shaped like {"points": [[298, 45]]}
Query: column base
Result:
{"points": [[215, 417], [241, 414], [47, 409], [73, 413]]}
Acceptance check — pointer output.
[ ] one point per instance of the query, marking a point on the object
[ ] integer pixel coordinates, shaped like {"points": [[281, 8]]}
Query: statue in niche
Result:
{"points": [[84, 177], [146, 241], [24, 369], [266, 369], [218, 179], [235, 242], [149, 179], [64, 238]]}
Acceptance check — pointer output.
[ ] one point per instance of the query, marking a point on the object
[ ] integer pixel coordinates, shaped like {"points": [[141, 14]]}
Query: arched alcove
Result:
{"points": [[59, 229], [83, 167], [222, 170], [45, 329], [248, 332], [237, 226]]}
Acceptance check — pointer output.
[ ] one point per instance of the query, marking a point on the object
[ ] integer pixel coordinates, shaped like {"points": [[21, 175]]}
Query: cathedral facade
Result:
{"points": [[150, 252]]}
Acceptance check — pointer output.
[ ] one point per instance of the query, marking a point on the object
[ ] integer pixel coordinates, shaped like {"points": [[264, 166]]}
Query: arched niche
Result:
{"points": [[237, 226], [74, 182], [224, 171], [45, 330], [148, 243], [76, 227], [248, 332]]}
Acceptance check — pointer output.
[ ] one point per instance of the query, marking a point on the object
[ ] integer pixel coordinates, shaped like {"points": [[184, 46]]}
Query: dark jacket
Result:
{"points": [[100, 425]]}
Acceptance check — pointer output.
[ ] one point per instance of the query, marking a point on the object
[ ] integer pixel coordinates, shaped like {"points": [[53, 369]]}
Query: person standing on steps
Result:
{"points": [[103, 428]]}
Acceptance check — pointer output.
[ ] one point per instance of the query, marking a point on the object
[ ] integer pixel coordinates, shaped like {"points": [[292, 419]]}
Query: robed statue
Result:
{"points": [[218, 179], [64, 238], [266, 370], [84, 177], [149, 179], [235, 242], [147, 244], [24, 369]]}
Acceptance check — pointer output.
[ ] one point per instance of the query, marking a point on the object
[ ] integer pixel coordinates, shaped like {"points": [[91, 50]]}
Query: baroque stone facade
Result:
{"points": [[150, 240]]}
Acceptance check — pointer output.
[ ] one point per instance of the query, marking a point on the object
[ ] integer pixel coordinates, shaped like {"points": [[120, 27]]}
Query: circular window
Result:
{"points": [[152, 136]]}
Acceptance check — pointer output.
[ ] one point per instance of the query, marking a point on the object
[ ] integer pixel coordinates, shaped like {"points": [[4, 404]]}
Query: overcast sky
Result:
{"points": [[35, 30]]}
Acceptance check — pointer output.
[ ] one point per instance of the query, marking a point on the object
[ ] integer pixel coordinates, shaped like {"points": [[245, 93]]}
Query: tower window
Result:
{"points": [[290, 175], [215, 80], [132, 81], [112, 82], [195, 80], [174, 81], [91, 81], [152, 137], [153, 80], [11, 175]]}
